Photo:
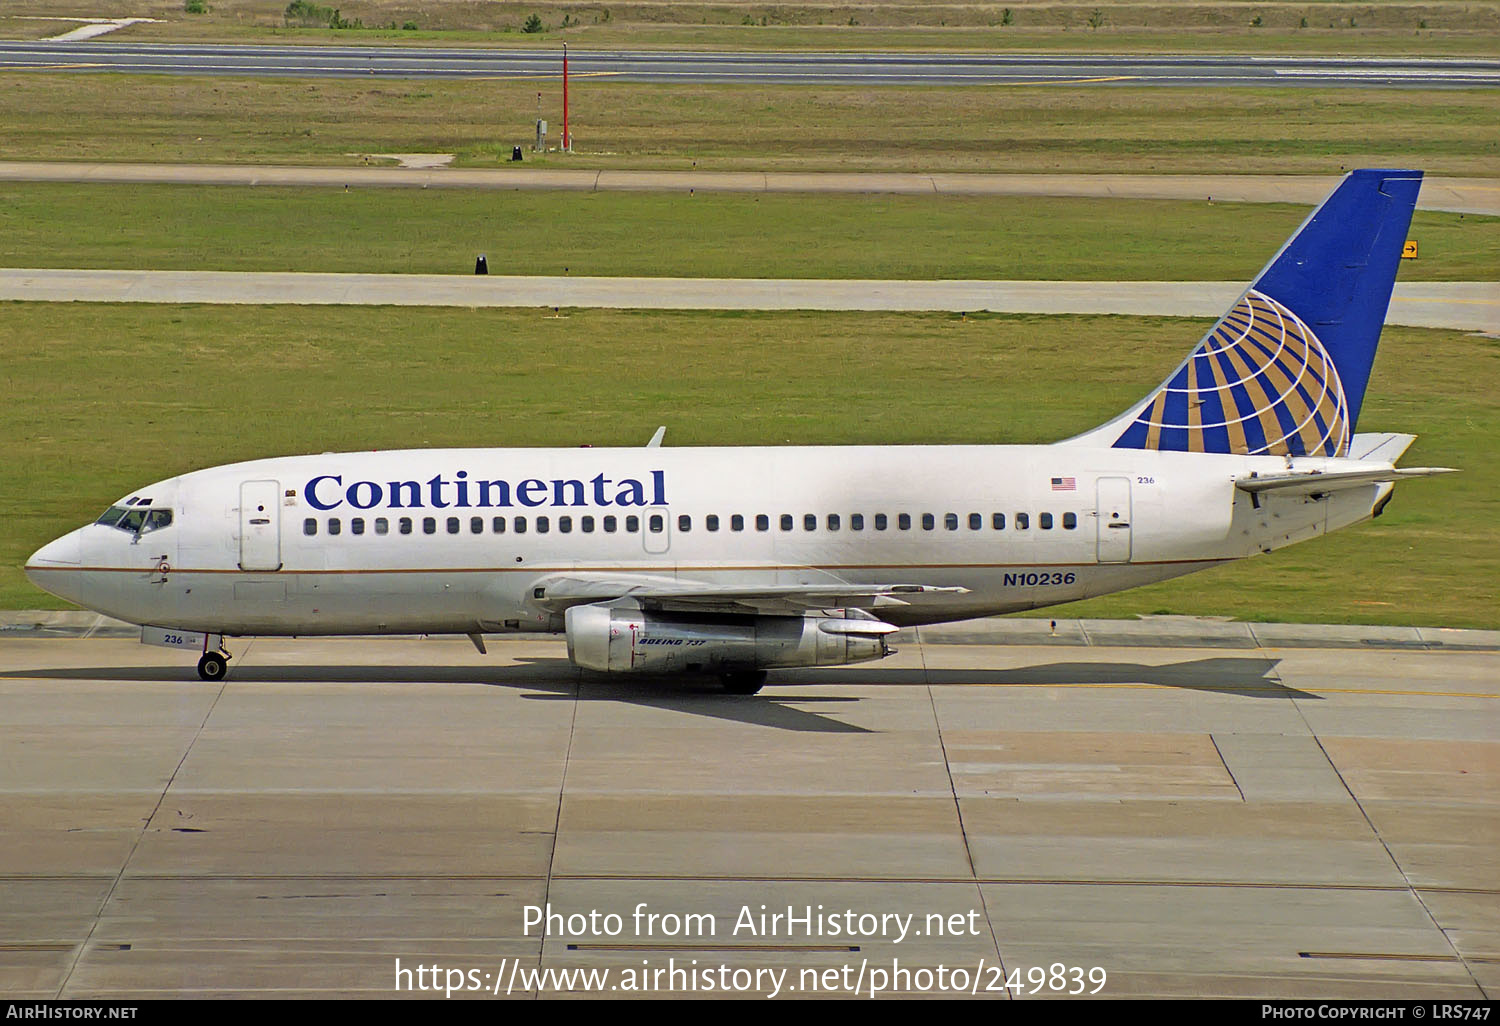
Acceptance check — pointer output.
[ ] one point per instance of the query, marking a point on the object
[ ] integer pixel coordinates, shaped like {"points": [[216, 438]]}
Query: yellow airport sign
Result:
{"points": [[1409, 251]]}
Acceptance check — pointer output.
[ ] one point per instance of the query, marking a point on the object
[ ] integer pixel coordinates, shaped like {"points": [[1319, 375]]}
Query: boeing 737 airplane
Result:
{"points": [[733, 560]]}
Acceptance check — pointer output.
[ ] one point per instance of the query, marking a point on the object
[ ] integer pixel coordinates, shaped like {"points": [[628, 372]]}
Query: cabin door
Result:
{"points": [[1114, 519], [260, 525]]}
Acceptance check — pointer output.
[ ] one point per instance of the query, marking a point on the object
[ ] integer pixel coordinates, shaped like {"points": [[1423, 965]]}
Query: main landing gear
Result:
{"points": [[744, 682], [213, 665]]}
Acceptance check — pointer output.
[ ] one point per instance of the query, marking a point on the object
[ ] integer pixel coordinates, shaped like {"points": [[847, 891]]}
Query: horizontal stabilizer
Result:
{"points": [[1314, 482], [1386, 447]]}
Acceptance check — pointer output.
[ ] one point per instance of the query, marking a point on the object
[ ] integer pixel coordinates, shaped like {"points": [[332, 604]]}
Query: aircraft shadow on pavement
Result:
{"points": [[545, 679], [1246, 676], [538, 679]]}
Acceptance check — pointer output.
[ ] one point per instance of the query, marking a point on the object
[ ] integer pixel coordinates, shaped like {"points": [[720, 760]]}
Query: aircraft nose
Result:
{"points": [[65, 551]]}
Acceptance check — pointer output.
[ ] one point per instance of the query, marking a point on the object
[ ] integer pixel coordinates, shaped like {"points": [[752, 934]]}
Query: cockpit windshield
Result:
{"points": [[136, 520]]}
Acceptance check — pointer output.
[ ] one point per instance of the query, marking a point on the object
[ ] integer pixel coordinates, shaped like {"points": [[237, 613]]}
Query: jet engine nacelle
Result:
{"points": [[627, 640]]}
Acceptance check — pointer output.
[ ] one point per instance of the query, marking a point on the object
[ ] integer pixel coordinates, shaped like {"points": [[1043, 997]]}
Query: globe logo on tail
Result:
{"points": [[1260, 383]]}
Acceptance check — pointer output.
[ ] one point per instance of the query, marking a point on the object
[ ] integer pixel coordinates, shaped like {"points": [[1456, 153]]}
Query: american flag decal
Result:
{"points": [[1064, 484]]}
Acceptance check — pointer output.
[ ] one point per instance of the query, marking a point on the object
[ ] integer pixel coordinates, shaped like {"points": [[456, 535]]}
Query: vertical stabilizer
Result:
{"points": [[1284, 371]]}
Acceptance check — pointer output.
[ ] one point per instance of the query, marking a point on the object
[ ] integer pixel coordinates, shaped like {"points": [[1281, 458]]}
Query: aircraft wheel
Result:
{"points": [[744, 682], [213, 666]]}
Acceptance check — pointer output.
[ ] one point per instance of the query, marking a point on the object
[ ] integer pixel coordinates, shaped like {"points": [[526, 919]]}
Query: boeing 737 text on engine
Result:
{"points": [[733, 561]]}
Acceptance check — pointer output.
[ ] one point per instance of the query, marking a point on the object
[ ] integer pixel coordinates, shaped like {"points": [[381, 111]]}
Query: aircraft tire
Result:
{"points": [[213, 666], [744, 682]]}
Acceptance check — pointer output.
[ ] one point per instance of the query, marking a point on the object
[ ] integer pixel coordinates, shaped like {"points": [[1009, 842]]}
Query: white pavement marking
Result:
{"points": [[1465, 306], [95, 27], [424, 161]]}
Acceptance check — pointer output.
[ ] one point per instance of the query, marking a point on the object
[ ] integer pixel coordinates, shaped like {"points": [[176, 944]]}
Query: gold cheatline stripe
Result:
{"points": [[635, 569]]}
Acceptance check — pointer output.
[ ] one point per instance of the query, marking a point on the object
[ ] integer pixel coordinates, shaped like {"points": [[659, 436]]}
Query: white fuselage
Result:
{"points": [[252, 548]]}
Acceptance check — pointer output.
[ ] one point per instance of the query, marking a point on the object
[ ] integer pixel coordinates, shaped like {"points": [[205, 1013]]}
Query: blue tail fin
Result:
{"points": [[1284, 371]]}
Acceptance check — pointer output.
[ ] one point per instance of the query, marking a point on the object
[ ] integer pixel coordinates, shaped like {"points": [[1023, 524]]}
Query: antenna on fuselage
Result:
{"points": [[655, 442]]}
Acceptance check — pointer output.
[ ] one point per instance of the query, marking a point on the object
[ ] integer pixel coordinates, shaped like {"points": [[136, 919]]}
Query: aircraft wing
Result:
{"points": [[1315, 482], [557, 592]]}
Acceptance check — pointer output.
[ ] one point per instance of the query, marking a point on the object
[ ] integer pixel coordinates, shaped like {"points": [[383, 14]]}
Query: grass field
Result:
{"points": [[1381, 26], [654, 234], [1028, 129], [103, 399]]}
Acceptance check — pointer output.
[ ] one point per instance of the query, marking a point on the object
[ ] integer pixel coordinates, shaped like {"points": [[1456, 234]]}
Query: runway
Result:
{"points": [[1227, 812], [1463, 306], [808, 68]]}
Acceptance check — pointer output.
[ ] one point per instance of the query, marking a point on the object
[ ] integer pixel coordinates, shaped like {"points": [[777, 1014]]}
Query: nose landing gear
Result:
{"points": [[213, 665]]}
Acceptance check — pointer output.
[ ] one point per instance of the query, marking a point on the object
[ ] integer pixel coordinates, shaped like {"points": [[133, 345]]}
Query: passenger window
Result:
{"points": [[684, 523], [1070, 521], [632, 524], [1023, 521], [518, 525], [453, 525], [880, 521], [809, 521], [497, 524], [762, 522], [564, 525], [786, 521], [476, 525], [833, 521], [656, 523], [310, 526], [856, 521], [334, 525], [903, 521], [950, 521], [976, 522], [543, 525], [928, 521], [609, 525], [998, 522], [711, 522], [736, 523], [429, 525], [586, 525], [357, 525], [1045, 521], [406, 525], [382, 525]]}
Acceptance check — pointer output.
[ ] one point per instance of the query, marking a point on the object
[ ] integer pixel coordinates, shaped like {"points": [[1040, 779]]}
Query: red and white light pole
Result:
{"points": [[567, 140]]}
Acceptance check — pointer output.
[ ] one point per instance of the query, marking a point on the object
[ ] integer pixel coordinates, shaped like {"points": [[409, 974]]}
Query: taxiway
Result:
{"points": [[1228, 810]]}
